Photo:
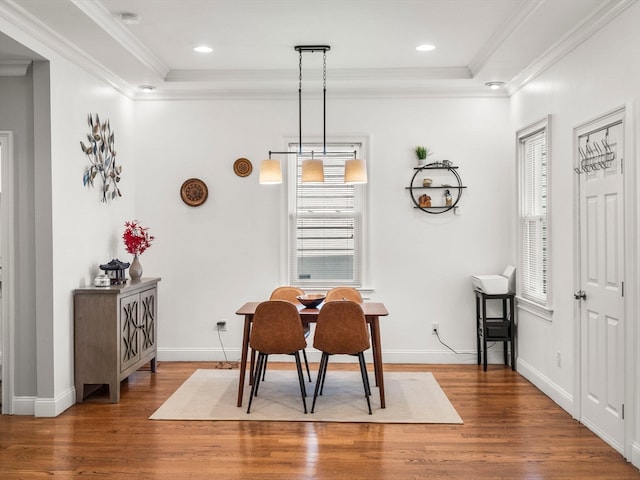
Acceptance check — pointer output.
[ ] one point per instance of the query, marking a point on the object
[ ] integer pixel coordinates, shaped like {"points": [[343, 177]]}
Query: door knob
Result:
{"points": [[580, 294]]}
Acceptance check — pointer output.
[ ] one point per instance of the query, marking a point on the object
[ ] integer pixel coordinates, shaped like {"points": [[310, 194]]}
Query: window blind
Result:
{"points": [[533, 217], [326, 223]]}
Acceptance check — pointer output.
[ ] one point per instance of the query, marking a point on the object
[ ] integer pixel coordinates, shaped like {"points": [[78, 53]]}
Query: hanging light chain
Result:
{"points": [[300, 103]]}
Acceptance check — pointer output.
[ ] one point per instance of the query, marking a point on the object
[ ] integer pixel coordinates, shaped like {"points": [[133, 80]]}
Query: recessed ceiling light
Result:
{"points": [[494, 85], [425, 48], [146, 88], [130, 18], [203, 49]]}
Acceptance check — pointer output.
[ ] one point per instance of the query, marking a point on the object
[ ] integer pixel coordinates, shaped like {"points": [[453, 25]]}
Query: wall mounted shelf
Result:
{"points": [[417, 190]]}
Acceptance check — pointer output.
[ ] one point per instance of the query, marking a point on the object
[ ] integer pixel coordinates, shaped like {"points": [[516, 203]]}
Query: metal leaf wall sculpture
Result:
{"points": [[102, 158]]}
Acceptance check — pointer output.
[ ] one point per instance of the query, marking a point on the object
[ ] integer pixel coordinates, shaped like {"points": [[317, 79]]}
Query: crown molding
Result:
{"points": [[569, 42], [341, 93], [43, 34], [14, 68], [114, 28], [497, 40], [344, 74]]}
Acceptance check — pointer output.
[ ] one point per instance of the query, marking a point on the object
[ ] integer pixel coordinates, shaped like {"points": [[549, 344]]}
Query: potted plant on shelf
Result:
{"points": [[422, 153]]}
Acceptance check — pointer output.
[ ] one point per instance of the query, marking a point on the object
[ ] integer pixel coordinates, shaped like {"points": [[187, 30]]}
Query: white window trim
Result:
{"points": [[364, 141], [541, 309]]}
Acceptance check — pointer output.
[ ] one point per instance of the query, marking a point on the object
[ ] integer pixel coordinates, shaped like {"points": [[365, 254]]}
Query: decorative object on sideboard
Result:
{"points": [[136, 241], [115, 271], [101, 154], [102, 280], [242, 167], [194, 192], [422, 153]]}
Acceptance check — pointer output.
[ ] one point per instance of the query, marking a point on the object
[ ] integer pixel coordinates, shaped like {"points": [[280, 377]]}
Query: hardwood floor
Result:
{"points": [[511, 431]]}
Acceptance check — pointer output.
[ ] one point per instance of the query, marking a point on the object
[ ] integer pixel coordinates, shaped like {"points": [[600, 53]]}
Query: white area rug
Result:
{"points": [[411, 397]]}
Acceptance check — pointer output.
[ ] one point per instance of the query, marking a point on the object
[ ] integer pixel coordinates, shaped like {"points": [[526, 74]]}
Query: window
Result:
{"points": [[326, 221], [533, 213]]}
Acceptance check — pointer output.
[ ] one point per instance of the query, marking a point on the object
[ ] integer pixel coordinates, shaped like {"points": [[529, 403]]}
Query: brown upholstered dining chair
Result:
{"points": [[290, 294], [276, 329], [341, 329], [343, 293]]}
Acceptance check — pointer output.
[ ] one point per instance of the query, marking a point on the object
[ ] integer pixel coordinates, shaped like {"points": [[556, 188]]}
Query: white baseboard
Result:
{"points": [[24, 405], [44, 407], [388, 356], [563, 398], [635, 454]]}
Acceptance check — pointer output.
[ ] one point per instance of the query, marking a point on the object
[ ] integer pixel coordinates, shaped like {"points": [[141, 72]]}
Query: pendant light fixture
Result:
{"points": [[313, 168]]}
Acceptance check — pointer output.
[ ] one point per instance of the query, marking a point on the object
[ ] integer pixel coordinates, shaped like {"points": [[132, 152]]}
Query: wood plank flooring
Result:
{"points": [[511, 431]]}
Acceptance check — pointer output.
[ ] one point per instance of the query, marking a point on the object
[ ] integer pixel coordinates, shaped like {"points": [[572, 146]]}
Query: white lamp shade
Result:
{"points": [[312, 171], [270, 172], [355, 171]]}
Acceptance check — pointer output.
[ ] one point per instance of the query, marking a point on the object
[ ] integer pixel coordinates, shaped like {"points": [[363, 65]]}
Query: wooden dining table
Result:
{"points": [[372, 312]]}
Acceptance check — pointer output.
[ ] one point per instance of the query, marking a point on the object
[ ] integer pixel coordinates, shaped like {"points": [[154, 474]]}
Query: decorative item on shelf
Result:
{"points": [[447, 163], [242, 167], [194, 192], [426, 182], [115, 271], [424, 200], [447, 198], [102, 158], [136, 241], [422, 153]]}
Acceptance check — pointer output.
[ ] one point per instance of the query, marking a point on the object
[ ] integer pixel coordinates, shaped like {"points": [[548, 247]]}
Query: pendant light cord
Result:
{"points": [[300, 104], [324, 102]]}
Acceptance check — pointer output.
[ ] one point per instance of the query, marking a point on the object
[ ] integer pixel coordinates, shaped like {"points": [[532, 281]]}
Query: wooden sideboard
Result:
{"points": [[114, 333]]}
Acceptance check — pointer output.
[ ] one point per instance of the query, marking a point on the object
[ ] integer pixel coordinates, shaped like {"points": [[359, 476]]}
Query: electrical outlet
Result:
{"points": [[558, 359], [435, 328], [222, 326]]}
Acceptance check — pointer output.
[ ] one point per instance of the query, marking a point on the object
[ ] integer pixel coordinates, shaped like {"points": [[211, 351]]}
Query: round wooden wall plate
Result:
{"points": [[242, 167], [194, 192]]}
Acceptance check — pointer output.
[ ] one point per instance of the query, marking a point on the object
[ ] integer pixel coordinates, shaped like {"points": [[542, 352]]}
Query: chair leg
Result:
{"points": [[264, 369], [256, 379], [306, 363], [324, 374], [320, 379], [365, 380], [303, 390]]}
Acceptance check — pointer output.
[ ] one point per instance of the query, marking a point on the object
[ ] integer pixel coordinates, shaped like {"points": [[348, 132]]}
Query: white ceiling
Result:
{"points": [[372, 42]]}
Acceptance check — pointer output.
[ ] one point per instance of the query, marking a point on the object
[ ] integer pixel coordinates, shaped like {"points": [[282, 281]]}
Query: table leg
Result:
{"points": [[377, 358], [373, 350], [243, 358]]}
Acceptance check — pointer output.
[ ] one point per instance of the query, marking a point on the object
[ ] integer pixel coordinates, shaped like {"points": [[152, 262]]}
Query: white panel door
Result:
{"points": [[602, 327]]}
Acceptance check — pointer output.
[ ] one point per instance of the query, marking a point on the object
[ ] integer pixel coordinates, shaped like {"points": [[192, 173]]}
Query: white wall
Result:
{"points": [[16, 97], [69, 231], [599, 76], [215, 257]]}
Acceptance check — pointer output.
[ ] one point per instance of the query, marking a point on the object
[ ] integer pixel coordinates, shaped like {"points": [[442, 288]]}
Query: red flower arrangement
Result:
{"points": [[136, 237]]}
